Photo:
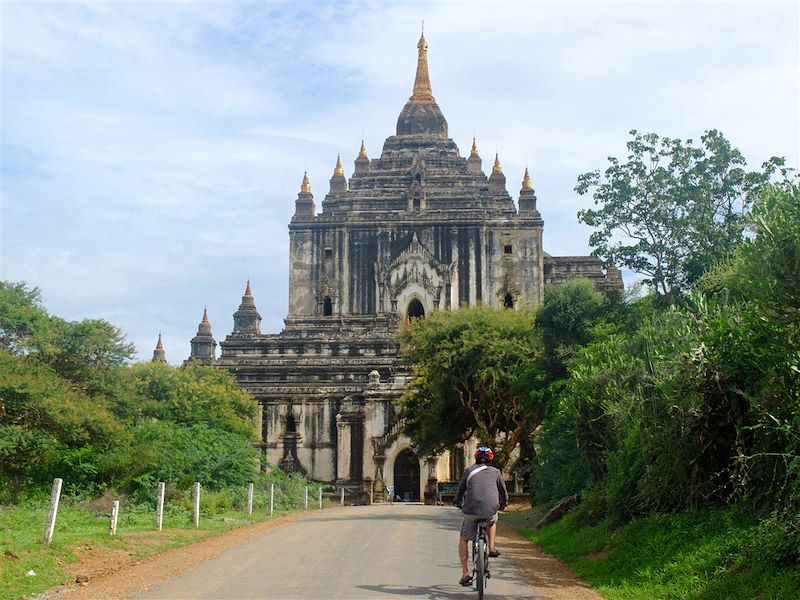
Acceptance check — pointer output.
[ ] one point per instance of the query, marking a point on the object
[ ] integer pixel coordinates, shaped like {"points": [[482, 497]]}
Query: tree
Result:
{"points": [[673, 209], [469, 365]]}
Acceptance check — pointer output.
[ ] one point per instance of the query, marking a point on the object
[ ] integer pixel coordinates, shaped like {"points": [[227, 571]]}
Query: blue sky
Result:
{"points": [[152, 152]]}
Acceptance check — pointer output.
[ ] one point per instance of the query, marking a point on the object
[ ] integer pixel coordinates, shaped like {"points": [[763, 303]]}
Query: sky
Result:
{"points": [[152, 152]]}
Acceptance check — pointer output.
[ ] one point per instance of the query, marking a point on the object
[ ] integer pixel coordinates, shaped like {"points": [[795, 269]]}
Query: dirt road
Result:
{"points": [[382, 551]]}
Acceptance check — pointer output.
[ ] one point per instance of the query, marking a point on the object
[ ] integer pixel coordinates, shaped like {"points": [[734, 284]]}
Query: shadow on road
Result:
{"points": [[437, 592]]}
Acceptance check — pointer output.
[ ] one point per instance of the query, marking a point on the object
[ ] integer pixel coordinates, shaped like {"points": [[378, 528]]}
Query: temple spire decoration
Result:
{"points": [[527, 197], [304, 206], [497, 181], [474, 161], [159, 355], [204, 345], [338, 180], [422, 82], [362, 162], [246, 320]]}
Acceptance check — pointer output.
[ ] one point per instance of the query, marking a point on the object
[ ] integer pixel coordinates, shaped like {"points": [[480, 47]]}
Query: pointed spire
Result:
{"points": [[496, 168], [422, 82], [246, 319], [474, 152], [305, 187], [362, 153], [526, 181], [247, 291], [362, 162], [338, 170], [158, 354], [474, 161], [205, 315], [203, 344]]}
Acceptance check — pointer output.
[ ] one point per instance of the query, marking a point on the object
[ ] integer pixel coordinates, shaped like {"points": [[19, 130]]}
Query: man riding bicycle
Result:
{"points": [[481, 492]]}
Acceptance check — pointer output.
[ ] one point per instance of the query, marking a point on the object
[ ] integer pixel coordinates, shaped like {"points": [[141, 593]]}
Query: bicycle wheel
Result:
{"points": [[480, 568]]}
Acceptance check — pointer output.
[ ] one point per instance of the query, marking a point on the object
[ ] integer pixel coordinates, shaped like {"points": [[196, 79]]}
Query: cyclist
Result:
{"points": [[481, 492]]}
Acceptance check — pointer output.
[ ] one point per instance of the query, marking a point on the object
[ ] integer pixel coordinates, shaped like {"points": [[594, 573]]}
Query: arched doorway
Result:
{"points": [[406, 476], [508, 301], [327, 307], [415, 310]]}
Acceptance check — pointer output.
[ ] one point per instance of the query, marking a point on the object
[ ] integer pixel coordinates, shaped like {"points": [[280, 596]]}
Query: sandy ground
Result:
{"points": [[111, 574]]}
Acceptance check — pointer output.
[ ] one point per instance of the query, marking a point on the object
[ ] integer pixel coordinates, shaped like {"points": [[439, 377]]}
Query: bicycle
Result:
{"points": [[480, 557]]}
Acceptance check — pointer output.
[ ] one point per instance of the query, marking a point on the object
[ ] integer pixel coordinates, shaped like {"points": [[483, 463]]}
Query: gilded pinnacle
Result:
{"points": [[338, 171], [474, 152], [305, 187], [497, 168], [363, 152], [526, 181], [422, 83]]}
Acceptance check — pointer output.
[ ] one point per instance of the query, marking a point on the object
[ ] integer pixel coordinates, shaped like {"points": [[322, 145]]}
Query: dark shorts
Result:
{"points": [[469, 525]]}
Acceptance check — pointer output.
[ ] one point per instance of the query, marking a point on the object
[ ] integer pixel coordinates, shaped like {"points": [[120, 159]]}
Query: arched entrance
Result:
{"points": [[415, 309], [406, 476]]}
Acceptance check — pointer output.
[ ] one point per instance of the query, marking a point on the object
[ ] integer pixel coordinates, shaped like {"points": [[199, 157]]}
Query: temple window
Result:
{"points": [[415, 310], [508, 301], [291, 424], [327, 306], [328, 252], [508, 249]]}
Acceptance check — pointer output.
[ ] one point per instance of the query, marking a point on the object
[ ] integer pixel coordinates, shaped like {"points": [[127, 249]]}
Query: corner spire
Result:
{"points": [[305, 187], [338, 170], [474, 152], [422, 82], [526, 181], [362, 153], [247, 291], [496, 168], [159, 355]]}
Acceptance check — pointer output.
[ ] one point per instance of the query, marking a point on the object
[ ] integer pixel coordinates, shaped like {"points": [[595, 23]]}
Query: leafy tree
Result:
{"points": [[22, 317], [468, 366], [673, 209], [194, 394]]}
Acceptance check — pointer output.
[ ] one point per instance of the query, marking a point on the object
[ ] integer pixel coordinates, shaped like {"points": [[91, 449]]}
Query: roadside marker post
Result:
{"points": [[305, 500], [341, 502], [160, 506], [249, 499], [271, 497], [196, 514], [50, 526], [319, 495], [112, 528]]}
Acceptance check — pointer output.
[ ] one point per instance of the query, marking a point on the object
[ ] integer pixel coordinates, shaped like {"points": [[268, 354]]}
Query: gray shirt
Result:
{"points": [[482, 493]]}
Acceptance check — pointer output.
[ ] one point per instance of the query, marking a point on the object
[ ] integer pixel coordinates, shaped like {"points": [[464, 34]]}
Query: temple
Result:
{"points": [[417, 230]]}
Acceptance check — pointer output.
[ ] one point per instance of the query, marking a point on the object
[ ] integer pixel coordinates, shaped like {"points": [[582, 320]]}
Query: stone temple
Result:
{"points": [[417, 230]]}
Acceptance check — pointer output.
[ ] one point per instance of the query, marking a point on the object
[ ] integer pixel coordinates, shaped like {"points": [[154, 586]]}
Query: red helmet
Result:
{"points": [[484, 454]]}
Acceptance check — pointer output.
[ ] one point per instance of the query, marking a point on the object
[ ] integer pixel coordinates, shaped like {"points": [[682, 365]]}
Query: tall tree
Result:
{"points": [[673, 209], [468, 367]]}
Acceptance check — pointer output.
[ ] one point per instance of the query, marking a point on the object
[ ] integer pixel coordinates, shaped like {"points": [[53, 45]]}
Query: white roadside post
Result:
{"points": [[196, 514], [319, 496], [112, 528], [160, 506], [341, 502], [249, 499], [305, 500], [50, 526], [271, 497]]}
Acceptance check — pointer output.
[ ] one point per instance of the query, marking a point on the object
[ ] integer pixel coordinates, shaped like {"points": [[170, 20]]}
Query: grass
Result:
{"points": [[702, 556], [80, 527]]}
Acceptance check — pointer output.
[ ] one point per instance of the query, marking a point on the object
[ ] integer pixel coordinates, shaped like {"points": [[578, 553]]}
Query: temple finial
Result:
{"points": [[422, 82], [305, 187], [338, 171], [159, 344], [205, 315], [362, 153], [474, 152], [247, 291], [526, 181], [497, 168]]}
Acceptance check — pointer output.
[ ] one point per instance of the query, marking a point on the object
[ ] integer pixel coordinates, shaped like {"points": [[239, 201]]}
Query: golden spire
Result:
{"points": [[422, 83], [247, 291], [497, 168], [305, 187], [363, 152], [338, 171], [526, 181], [474, 152]]}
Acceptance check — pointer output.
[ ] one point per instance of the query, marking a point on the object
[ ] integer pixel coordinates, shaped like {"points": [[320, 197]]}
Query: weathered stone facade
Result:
{"points": [[417, 230]]}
